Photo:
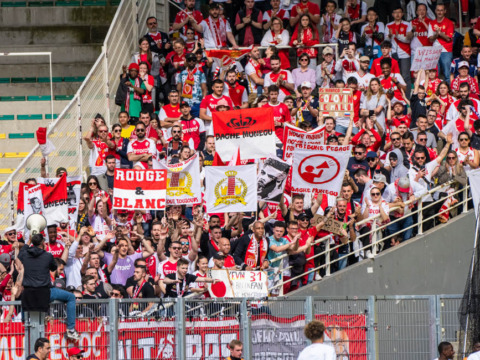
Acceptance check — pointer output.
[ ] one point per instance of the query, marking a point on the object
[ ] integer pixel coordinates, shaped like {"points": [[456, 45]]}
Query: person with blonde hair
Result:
{"points": [[314, 331]]}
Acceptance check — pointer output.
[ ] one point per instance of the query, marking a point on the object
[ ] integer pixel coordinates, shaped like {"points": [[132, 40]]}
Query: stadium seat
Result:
{"points": [[15, 155], [40, 3], [74, 78], [63, 97], [30, 117], [68, 3], [3, 136], [7, 117], [39, 98], [21, 80], [49, 116], [12, 98], [94, 3], [21, 136], [47, 79], [14, 3]]}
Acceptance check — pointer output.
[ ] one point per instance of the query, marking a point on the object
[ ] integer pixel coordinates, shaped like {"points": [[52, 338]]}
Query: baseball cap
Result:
{"points": [[60, 170], [190, 56], [10, 228], [133, 66], [214, 5], [306, 84], [5, 259], [463, 64], [379, 178], [332, 137], [219, 255], [327, 50], [364, 58], [404, 184], [183, 104], [302, 216], [74, 351], [222, 102], [372, 154]]}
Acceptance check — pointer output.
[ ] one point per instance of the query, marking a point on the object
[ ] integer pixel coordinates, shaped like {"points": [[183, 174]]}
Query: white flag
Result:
{"points": [[231, 188], [474, 179], [319, 169], [183, 181]]}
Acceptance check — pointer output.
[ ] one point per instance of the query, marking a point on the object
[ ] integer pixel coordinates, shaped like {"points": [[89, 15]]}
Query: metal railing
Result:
{"points": [[95, 95], [373, 328], [376, 244]]}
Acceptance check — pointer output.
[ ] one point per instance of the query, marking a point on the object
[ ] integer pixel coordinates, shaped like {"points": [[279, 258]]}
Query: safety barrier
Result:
{"points": [[377, 241], [373, 328], [95, 95]]}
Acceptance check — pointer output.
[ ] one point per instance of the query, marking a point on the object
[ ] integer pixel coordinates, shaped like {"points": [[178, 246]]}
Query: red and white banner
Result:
{"points": [[205, 339], [298, 138], [139, 189], [335, 102], [74, 185], [49, 198], [251, 130], [183, 181], [252, 284], [231, 188], [319, 169], [227, 57]]}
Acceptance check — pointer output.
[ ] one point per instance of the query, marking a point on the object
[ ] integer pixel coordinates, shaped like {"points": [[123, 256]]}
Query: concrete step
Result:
{"points": [[62, 53], [42, 69], [18, 145], [54, 34], [56, 16], [29, 107], [60, 88]]}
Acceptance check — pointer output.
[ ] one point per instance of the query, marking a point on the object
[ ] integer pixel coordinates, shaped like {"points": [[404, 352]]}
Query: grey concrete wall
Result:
{"points": [[435, 263]]}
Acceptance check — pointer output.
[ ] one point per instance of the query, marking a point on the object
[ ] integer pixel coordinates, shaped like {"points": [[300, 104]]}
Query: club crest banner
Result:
{"points": [[319, 169], [251, 130], [231, 188], [183, 182]]}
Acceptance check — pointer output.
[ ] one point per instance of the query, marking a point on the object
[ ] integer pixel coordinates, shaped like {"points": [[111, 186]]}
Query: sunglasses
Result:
{"points": [[116, 294], [303, 59], [78, 298], [140, 130], [420, 158], [102, 131], [376, 194], [393, 160], [176, 131], [185, 243], [176, 248], [451, 157], [371, 159], [11, 233], [118, 130], [463, 139], [422, 139], [92, 183], [190, 33], [359, 153], [395, 139]]}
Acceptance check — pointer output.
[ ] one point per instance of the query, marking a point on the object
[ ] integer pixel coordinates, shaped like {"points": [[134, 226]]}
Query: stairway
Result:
{"points": [[73, 31]]}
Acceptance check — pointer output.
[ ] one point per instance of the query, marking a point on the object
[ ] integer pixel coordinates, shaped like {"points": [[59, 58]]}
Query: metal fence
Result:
{"points": [[373, 328], [95, 95]]}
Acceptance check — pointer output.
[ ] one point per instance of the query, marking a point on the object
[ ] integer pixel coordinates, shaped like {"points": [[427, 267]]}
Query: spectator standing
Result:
{"points": [[235, 91], [216, 30], [236, 349], [304, 38], [210, 102], [386, 49], [305, 7], [253, 71], [133, 88], [192, 85], [159, 42], [325, 72], [304, 73], [187, 19], [277, 12], [248, 24], [440, 33]]}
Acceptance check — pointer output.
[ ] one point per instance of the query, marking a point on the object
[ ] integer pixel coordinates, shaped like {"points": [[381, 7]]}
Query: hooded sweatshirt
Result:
{"points": [[37, 263], [400, 170]]}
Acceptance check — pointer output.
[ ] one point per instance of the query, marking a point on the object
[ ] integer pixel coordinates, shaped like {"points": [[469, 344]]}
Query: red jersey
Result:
{"points": [[150, 133], [420, 33], [166, 267], [56, 249], [402, 119], [377, 69], [147, 97], [146, 146], [192, 129], [273, 208], [102, 150], [400, 30], [182, 15], [170, 111], [280, 114], [432, 86], [313, 9], [6, 249], [447, 27], [238, 94], [210, 103]]}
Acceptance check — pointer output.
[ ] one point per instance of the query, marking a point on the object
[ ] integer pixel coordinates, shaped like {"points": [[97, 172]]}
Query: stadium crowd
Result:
{"points": [[410, 131]]}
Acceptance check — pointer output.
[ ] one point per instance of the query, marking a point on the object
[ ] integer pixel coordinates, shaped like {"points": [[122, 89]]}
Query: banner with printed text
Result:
{"points": [[208, 338], [231, 188], [335, 102], [295, 137], [183, 182], [319, 169], [251, 130], [139, 189], [426, 58], [252, 284], [74, 185]]}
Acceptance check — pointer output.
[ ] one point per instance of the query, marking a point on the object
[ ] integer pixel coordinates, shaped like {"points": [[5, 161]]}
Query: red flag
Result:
{"points": [[42, 135], [236, 159], [217, 160], [55, 200], [227, 57]]}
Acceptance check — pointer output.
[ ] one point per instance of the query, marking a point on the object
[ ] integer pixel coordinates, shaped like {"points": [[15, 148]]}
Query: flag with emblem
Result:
{"points": [[251, 130], [227, 57], [231, 188]]}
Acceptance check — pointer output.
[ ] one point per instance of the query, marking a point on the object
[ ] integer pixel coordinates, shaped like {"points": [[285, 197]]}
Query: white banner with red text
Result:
{"points": [[319, 169], [251, 130], [298, 138], [252, 284], [139, 189], [183, 181], [231, 188]]}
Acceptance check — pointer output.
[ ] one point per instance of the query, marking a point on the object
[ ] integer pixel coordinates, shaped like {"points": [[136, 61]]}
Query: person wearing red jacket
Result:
{"points": [[304, 37]]}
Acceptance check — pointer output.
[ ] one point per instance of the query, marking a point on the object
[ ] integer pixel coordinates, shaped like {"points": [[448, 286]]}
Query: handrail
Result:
{"points": [[375, 230]]}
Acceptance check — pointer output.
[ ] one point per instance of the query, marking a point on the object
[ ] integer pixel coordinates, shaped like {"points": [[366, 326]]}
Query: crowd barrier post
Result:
{"points": [[420, 217], [180, 336], [465, 197], [107, 85], [113, 327], [34, 329], [245, 328], [371, 329], [374, 237], [327, 257], [309, 312]]}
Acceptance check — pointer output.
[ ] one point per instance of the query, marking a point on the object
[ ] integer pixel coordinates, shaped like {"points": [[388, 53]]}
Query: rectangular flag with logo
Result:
{"points": [[231, 188], [251, 130], [183, 181], [319, 169], [298, 138], [139, 189]]}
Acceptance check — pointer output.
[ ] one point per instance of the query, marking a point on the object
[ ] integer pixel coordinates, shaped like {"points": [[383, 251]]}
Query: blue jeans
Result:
{"points": [[401, 224], [343, 256], [195, 110], [343, 129], [69, 298], [444, 65]]}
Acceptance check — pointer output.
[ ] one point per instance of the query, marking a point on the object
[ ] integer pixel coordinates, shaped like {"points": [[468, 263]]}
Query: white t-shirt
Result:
{"points": [[209, 37], [474, 356], [318, 352], [429, 167]]}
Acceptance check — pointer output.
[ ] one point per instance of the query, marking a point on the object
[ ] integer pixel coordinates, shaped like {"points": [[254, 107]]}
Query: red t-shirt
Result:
{"points": [[447, 27], [377, 69], [210, 103], [192, 129], [280, 114], [56, 249], [313, 9]]}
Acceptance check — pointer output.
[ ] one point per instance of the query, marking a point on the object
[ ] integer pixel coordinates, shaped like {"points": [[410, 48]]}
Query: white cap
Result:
{"points": [[10, 228], [462, 64], [306, 84]]}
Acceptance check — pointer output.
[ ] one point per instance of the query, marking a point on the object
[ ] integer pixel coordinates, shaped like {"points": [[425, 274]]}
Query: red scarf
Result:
{"points": [[219, 33], [187, 88], [251, 255]]}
